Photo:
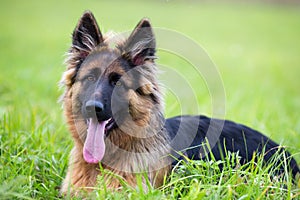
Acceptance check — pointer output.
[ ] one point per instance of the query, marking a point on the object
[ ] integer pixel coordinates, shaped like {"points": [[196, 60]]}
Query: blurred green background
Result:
{"points": [[255, 46]]}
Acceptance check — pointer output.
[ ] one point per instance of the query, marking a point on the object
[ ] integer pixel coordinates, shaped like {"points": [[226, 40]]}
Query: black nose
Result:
{"points": [[93, 107]]}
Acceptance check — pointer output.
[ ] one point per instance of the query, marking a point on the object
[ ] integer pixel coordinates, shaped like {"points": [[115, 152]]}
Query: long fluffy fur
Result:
{"points": [[148, 154]]}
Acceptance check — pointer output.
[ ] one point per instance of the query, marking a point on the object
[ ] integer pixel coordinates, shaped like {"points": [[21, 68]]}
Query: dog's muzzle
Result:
{"points": [[95, 109]]}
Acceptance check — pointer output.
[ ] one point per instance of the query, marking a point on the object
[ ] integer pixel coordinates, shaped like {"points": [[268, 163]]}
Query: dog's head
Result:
{"points": [[109, 81]]}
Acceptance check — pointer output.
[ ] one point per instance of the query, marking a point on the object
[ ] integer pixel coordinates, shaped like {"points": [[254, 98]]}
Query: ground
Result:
{"points": [[255, 48]]}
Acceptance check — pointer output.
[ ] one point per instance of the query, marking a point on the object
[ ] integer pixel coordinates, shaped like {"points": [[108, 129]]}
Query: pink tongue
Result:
{"points": [[94, 146]]}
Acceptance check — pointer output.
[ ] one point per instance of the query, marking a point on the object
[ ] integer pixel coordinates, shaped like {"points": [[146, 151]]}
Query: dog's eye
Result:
{"points": [[114, 79], [118, 83], [91, 78]]}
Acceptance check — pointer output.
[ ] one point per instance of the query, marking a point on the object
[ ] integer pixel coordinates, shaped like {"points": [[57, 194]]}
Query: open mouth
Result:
{"points": [[110, 124], [94, 145]]}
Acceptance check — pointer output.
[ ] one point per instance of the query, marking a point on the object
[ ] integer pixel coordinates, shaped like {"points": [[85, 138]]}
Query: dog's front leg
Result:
{"points": [[81, 176]]}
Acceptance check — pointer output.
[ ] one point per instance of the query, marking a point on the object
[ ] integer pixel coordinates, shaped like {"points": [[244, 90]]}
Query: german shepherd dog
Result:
{"points": [[114, 109]]}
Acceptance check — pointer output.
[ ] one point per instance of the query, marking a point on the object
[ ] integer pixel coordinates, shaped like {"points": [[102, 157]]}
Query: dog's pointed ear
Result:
{"points": [[86, 35], [140, 46]]}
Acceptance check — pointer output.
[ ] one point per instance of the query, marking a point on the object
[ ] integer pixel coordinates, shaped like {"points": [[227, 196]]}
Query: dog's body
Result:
{"points": [[113, 106]]}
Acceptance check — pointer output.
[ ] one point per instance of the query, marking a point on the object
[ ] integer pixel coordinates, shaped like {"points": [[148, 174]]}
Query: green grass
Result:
{"points": [[254, 46]]}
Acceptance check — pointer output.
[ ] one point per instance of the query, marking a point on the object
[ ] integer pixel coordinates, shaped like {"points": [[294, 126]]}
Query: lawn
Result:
{"points": [[254, 47]]}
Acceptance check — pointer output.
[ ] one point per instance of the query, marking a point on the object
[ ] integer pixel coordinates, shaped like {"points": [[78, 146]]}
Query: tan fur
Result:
{"points": [[140, 136], [82, 175]]}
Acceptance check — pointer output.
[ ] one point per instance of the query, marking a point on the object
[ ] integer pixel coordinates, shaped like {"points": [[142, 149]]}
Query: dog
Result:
{"points": [[113, 105]]}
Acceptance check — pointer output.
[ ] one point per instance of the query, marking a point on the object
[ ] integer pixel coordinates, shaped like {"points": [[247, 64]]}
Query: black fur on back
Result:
{"points": [[187, 133]]}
